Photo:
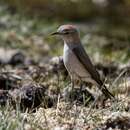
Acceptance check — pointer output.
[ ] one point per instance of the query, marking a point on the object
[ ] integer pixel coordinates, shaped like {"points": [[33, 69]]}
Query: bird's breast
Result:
{"points": [[72, 63], [67, 57]]}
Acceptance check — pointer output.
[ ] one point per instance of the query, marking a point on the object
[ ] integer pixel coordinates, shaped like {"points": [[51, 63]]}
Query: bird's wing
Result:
{"points": [[86, 62]]}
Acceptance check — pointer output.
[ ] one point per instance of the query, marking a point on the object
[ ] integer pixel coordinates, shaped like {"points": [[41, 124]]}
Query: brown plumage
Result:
{"points": [[76, 60]]}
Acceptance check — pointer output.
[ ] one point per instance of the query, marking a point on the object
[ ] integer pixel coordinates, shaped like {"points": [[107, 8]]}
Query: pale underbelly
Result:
{"points": [[74, 67]]}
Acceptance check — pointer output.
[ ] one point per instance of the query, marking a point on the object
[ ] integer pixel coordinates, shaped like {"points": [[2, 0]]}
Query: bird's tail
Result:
{"points": [[106, 92]]}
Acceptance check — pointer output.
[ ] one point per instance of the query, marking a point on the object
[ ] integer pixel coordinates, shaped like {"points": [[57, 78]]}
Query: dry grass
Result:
{"points": [[28, 35]]}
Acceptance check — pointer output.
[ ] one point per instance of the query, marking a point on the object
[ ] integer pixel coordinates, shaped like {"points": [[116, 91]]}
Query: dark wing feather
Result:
{"points": [[86, 62]]}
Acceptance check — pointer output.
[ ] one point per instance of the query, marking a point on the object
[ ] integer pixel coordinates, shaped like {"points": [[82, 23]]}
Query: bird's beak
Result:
{"points": [[55, 33]]}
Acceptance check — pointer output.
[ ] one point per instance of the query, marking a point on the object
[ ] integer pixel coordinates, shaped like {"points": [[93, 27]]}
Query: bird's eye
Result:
{"points": [[66, 32]]}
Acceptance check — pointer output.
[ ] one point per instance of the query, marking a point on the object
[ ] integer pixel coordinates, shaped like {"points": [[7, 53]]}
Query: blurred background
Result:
{"points": [[79, 10], [104, 26], [32, 76]]}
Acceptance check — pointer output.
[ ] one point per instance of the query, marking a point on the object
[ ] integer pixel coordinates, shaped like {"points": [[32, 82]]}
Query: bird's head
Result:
{"points": [[69, 33]]}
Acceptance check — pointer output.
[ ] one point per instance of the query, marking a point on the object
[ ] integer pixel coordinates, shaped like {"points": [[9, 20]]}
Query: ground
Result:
{"points": [[31, 66]]}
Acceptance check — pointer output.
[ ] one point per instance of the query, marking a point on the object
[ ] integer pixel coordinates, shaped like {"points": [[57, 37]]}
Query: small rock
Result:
{"points": [[117, 120], [57, 65], [4, 97], [17, 58], [8, 81], [12, 57], [30, 96], [108, 70], [81, 96]]}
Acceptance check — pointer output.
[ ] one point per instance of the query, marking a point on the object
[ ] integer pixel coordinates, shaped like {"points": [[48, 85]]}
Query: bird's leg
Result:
{"points": [[72, 89], [72, 83], [81, 83]]}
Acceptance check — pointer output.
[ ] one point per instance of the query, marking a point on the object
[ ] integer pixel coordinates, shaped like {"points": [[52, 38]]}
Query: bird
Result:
{"points": [[77, 61]]}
